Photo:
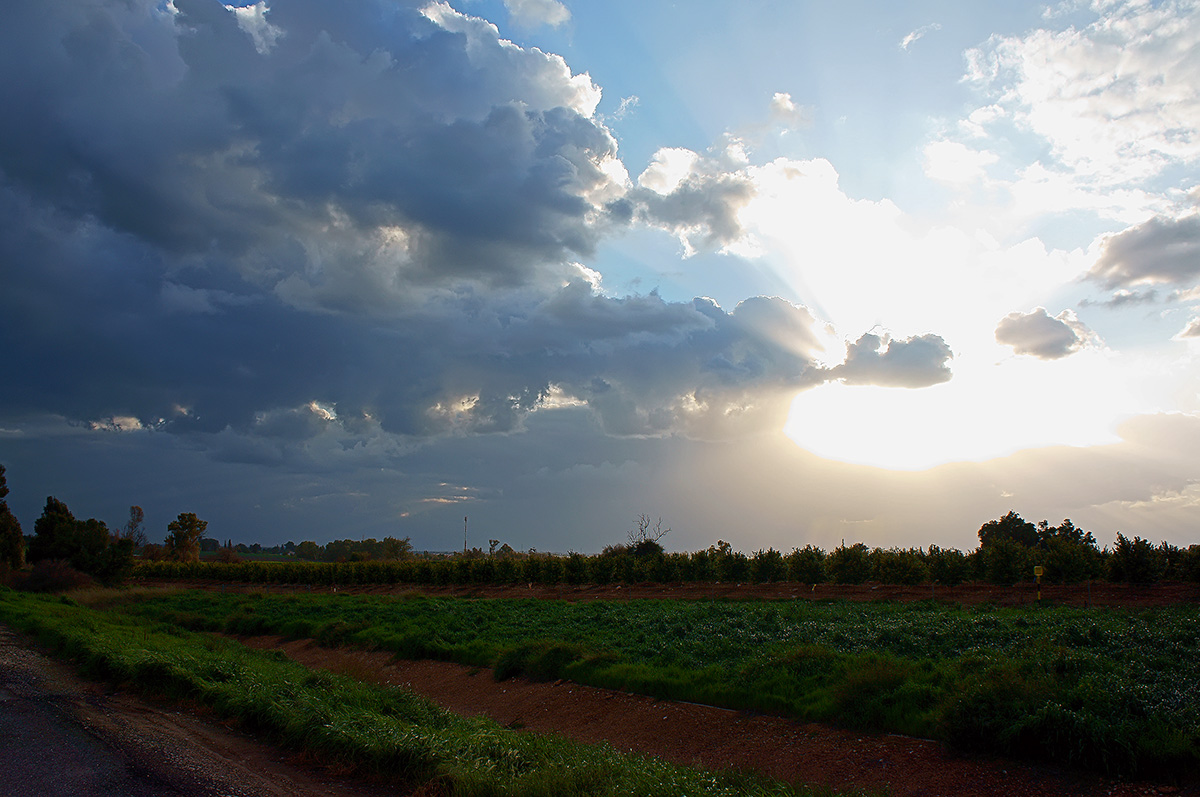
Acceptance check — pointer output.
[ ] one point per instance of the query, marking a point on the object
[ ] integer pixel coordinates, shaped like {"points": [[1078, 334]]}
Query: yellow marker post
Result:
{"points": [[1037, 574]]}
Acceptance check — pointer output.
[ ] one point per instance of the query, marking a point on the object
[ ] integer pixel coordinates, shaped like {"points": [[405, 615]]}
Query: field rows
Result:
{"points": [[1108, 690]]}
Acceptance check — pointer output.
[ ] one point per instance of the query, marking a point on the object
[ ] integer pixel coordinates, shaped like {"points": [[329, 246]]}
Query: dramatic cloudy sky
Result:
{"points": [[779, 273]]}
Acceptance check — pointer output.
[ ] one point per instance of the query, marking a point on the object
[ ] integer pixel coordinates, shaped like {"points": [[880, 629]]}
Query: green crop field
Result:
{"points": [[1107, 690], [381, 732]]}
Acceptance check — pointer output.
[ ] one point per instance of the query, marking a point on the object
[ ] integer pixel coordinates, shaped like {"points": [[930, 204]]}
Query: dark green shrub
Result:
{"points": [[947, 566], [1069, 554], [1133, 561], [1189, 564], [53, 575], [807, 565], [767, 566], [575, 569], [539, 660], [1011, 528], [850, 565], [899, 567], [1006, 562]]}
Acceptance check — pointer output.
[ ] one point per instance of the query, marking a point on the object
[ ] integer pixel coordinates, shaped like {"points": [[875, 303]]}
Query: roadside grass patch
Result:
{"points": [[383, 733]]}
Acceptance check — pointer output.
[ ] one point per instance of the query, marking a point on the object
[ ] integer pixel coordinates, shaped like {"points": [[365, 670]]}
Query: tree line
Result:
{"points": [[66, 551], [1009, 549]]}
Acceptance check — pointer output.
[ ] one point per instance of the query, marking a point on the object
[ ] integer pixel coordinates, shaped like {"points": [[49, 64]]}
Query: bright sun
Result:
{"points": [[977, 415]]}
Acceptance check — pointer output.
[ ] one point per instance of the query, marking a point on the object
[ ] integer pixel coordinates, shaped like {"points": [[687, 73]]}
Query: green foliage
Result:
{"points": [[1069, 554], [1189, 564], [1012, 528], [767, 566], [85, 544], [947, 566], [12, 541], [807, 565], [539, 660], [183, 537], [1005, 561], [850, 565], [370, 549], [1133, 561], [1109, 690], [899, 567], [381, 732]]}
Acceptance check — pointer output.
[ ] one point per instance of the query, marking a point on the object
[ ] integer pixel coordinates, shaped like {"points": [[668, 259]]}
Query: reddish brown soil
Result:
{"points": [[712, 737], [692, 734]]}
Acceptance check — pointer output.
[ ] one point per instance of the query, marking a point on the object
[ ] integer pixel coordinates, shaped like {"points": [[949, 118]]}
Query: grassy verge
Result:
{"points": [[384, 733], [1112, 691]]}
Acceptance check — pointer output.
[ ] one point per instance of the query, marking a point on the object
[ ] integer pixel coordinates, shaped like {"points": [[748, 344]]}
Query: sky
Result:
{"points": [[777, 273]]}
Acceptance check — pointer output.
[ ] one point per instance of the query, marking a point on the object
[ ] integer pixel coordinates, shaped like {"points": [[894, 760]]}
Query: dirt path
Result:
{"points": [[61, 736], [711, 737]]}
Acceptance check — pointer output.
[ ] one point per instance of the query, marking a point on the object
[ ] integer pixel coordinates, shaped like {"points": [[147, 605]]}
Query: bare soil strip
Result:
{"points": [[691, 734]]}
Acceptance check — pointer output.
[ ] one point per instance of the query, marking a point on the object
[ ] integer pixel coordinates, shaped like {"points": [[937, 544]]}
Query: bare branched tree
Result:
{"points": [[646, 530]]}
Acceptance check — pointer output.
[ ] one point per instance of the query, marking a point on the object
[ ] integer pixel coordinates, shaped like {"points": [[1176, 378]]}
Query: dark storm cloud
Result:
{"points": [[174, 128], [1157, 251], [1038, 334], [325, 235], [919, 361]]}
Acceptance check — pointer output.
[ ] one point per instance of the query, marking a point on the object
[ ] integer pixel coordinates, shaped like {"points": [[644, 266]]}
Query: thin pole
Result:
{"points": [[464, 536]]}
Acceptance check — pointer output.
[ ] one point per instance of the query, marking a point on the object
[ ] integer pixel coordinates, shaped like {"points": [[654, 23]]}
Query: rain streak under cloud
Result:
{"points": [[318, 270]]}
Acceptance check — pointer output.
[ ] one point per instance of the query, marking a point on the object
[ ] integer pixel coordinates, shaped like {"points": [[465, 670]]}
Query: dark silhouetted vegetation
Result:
{"points": [[12, 541], [85, 545]]}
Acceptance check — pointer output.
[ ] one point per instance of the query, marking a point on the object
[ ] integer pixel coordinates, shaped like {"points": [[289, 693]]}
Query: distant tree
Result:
{"points": [[1005, 554], [183, 537], [55, 533], [153, 553], [897, 566], [947, 566], [767, 566], [1004, 561], [85, 544], [392, 548], [849, 565], [309, 550], [12, 541], [209, 545], [645, 535], [134, 530], [1069, 554], [807, 565], [1010, 527], [1189, 565], [1133, 561]]}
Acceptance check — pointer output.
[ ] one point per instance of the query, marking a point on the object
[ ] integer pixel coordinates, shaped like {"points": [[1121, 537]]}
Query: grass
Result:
{"points": [[380, 732], [1106, 690]]}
